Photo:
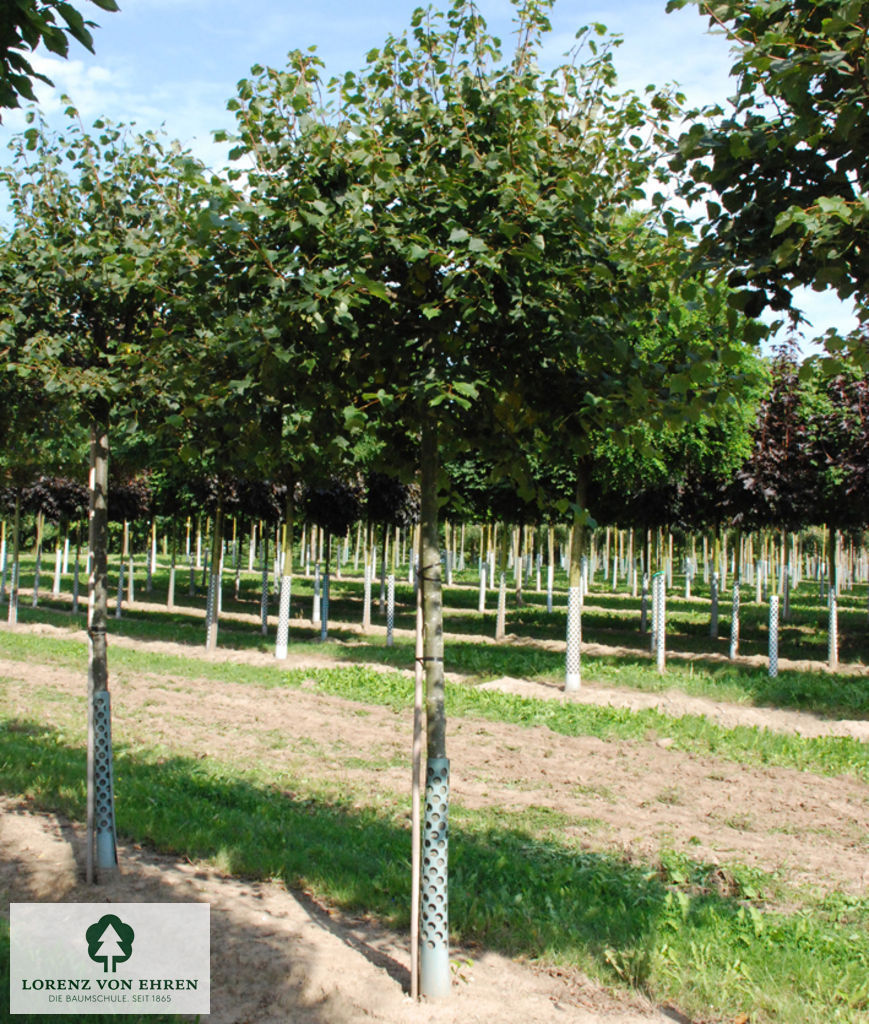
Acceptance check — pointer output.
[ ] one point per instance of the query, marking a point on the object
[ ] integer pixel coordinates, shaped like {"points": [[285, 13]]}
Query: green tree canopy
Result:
{"points": [[784, 171], [102, 246]]}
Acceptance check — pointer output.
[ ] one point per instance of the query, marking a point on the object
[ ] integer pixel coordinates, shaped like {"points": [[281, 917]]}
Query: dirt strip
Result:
{"points": [[634, 798], [280, 957]]}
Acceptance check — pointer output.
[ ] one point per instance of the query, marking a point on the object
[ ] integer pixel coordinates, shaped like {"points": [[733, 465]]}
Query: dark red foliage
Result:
{"points": [[57, 498], [391, 502], [334, 504]]}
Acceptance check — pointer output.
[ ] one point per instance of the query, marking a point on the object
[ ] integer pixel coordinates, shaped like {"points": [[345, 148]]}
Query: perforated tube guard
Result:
{"points": [[324, 612], [434, 961], [773, 635], [390, 609], [104, 784], [659, 583], [734, 622], [282, 638], [833, 632], [574, 639], [713, 617]]}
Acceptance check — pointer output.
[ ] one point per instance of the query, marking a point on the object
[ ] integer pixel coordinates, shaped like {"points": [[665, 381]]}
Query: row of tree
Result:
{"points": [[792, 454], [450, 251]]}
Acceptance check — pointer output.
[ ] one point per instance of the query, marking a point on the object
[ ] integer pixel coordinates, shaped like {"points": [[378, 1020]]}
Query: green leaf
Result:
{"points": [[353, 417], [466, 388], [835, 205], [76, 24], [377, 288]]}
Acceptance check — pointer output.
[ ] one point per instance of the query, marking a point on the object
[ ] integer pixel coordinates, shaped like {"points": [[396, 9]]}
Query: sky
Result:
{"points": [[174, 64]]}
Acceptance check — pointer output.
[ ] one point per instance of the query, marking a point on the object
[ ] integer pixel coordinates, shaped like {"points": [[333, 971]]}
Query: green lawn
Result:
{"points": [[518, 883]]}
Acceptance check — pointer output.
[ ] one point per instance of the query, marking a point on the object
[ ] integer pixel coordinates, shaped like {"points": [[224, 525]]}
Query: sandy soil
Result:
{"points": [[280, 956]]}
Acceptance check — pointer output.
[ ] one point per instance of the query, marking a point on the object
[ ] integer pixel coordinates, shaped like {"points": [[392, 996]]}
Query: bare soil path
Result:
{"points": [[280, 956]]}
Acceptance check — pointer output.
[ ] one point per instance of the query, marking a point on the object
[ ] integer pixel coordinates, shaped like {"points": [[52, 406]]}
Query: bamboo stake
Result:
{"points": [[416, 762]]}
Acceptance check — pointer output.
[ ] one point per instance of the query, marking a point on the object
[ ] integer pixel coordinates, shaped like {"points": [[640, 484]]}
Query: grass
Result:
{"points": [[820, 692], [825, 755], [708, 939], [608, 618], [675, 928]]}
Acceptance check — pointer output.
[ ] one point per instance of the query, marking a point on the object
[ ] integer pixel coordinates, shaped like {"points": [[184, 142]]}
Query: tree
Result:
{"points": [[24, 24], [455, 233], [839, 425], [784, 172], [102, 243], [35, 433], [776, 486]]}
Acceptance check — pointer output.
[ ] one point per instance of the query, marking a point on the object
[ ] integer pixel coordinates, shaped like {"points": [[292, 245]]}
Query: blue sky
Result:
{"points": [[175, 63]]}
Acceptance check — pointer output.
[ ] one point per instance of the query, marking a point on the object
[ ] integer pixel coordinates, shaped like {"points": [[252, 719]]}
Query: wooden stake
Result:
{"points": [[416, 763]]}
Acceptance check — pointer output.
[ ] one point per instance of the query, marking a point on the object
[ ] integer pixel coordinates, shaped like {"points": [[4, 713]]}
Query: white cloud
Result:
{"points": [[87, 85]]}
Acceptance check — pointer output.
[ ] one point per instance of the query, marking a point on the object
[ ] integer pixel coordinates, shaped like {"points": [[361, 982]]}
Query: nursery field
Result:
{"points": [[691, 846]]}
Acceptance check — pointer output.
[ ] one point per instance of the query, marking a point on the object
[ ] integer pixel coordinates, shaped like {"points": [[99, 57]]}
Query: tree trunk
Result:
{"points": [[40, 529], [833, 597], [632, 561], [324, 611], [100, 781], [832, 566], [170, 594], [3, 561], [434, 960], [75, 568], [282, 639], [212, 613], [152, 557], [550, 566], [390, 592], [131, 575], [12, 611], [58, 559], [368, 570], [264, 582], [384, 545], [519, 574], [501, 618]]}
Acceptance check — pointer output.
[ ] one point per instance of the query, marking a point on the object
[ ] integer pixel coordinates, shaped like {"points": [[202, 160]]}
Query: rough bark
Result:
{"points": [[432, 598]]}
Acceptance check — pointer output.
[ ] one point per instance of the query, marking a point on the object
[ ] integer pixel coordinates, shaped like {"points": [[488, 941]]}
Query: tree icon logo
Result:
{"points": [[110, 942]]}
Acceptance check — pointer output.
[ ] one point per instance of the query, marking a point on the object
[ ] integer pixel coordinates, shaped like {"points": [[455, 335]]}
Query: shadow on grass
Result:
{"points": [[507, 890]]}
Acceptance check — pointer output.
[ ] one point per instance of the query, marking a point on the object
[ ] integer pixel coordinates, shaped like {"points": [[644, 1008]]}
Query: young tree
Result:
{"points": [[333, 503], [458, 225], [101, 245]]}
